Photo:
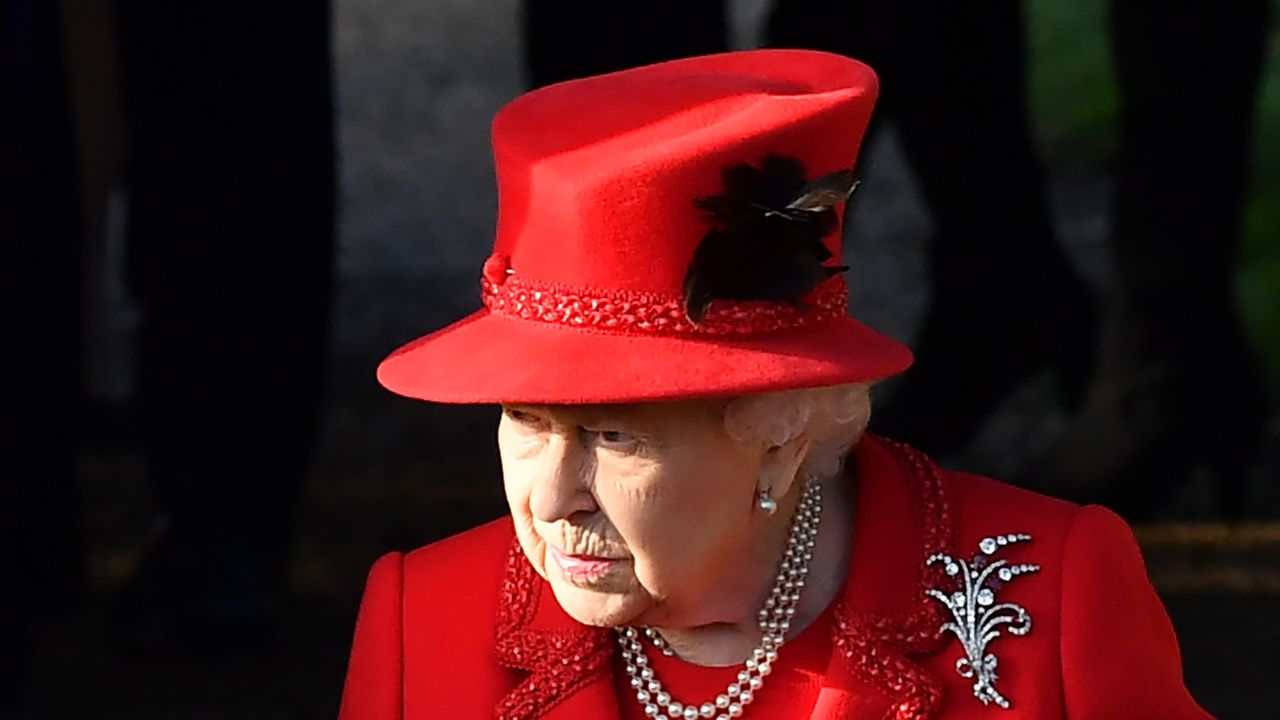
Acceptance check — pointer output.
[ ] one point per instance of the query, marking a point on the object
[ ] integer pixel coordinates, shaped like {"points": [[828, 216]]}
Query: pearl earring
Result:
{"points": [[766, 503]]}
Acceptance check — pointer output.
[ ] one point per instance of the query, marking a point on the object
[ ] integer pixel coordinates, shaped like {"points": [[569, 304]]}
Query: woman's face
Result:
{"points": [[635, 514]]}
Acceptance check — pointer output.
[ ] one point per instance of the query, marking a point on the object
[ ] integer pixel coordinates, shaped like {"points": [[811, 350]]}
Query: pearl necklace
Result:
{"points": [[774, 620]]}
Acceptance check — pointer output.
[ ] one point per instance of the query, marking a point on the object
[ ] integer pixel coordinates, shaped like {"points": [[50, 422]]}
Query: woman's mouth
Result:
{"points": [[583, 569]]}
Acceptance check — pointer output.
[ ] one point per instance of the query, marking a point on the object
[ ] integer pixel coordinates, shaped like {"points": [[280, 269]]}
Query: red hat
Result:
{"points": [[666, 232]]}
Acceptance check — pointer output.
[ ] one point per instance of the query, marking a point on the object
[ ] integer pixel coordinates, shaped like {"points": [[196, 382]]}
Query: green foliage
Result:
{"points": [[1074, 103]]}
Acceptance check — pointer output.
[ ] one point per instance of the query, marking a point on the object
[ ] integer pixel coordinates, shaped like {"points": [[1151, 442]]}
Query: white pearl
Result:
{"points": [[774, 620]]}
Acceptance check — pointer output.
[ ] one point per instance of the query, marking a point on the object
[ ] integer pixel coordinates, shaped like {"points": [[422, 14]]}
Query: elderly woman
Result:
{"points": [[700, 527]]}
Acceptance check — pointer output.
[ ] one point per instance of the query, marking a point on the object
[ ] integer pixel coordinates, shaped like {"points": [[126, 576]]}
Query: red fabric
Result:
{"points": [[467, 630], [597, 227], [373, 684], [1116, 638]]}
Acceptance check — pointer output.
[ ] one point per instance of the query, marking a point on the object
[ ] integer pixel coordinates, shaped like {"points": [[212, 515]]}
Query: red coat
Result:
{"points": [[464, 628]]}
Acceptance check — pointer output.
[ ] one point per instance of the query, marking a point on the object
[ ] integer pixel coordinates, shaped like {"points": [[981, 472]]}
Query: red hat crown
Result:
{"points": [[597, 227], [597, 179]]}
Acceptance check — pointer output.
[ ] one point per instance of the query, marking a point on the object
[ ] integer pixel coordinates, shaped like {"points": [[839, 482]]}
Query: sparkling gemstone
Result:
{"points": [[986, 597], [988, 545], [1005, 574], [952, 568]]}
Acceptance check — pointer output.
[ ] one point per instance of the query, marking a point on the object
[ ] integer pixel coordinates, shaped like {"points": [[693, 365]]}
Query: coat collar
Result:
{"points": [[883, 618]]}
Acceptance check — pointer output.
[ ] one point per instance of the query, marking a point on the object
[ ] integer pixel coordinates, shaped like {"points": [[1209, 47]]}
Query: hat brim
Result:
{"points": [[487, 358]]}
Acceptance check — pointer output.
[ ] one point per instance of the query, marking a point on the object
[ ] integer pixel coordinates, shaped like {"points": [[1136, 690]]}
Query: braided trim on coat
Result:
{"points": [[876, 645], [559, 662]]}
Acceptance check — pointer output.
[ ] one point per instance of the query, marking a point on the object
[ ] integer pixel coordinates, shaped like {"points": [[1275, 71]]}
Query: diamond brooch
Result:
{"points": [[977, 618]]}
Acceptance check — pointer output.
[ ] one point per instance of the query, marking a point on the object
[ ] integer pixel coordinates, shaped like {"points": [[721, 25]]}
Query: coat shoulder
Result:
{"points": [[461, 553], [451, 596], [984, 506], [453, 583]]}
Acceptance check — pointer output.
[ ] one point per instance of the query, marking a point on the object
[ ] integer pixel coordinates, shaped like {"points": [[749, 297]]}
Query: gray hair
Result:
{"points": [[834, 417]]}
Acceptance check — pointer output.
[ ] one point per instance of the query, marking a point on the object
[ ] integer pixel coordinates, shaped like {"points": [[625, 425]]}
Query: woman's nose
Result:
{"points": [[562, 486]]}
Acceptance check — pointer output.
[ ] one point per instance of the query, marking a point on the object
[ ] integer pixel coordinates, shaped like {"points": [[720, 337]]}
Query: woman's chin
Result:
{"points": [[598, 606]]}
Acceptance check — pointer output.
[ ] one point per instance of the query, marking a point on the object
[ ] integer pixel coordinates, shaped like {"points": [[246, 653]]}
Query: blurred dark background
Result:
{"points": [[218, 218]]}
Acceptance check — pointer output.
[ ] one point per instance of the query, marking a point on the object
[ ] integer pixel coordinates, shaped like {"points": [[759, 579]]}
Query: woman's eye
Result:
{"points": [[520, 417], [615, 439]]}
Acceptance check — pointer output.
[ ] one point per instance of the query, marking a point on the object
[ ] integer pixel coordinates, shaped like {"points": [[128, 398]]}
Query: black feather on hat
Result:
{"points": [[767, 240]]}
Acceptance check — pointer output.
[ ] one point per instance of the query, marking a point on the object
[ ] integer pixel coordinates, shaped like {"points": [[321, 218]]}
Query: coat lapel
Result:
{"points": [[903, 516], [567, 663]]}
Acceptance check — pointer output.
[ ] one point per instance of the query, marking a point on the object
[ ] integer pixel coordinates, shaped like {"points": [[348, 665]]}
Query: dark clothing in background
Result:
{"points": [[230, 243], [40, 237], [229, 115], [566, 40]]}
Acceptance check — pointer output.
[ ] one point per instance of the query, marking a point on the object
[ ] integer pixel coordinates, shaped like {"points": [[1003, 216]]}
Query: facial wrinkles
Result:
{"points": [[641, 497], [581, 533], [594, 538]]}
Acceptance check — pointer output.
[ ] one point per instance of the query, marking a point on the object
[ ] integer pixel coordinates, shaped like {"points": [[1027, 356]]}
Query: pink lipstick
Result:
{"points": [[582, 569]]}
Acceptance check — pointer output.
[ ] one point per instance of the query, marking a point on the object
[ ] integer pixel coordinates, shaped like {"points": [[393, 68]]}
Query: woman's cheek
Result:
{"points": [[648, 515]]}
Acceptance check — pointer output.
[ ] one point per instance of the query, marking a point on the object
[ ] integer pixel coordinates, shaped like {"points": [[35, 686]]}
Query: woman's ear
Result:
{"points": [[780, 465]]}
